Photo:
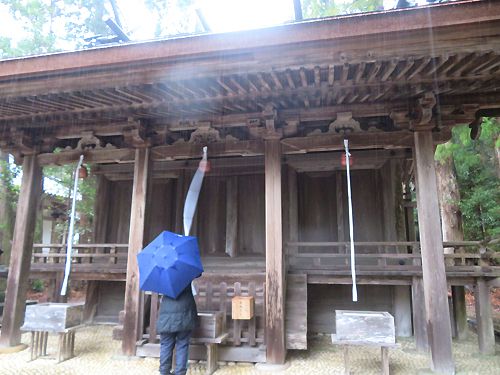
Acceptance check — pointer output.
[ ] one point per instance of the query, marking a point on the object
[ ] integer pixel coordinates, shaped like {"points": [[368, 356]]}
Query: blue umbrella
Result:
{"points": [[169, 264]]}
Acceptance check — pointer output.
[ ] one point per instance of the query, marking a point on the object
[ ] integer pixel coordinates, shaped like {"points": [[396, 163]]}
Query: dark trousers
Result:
{"points": [[181, 342]]}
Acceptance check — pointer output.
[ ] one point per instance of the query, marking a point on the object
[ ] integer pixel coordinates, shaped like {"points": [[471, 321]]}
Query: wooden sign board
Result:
{"points": [[243, 307], [376, 327]]}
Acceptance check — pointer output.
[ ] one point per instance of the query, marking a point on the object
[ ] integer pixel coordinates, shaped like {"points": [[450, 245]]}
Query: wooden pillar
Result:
{"points": [[431, 241], [232, 216], [293, 210], [275, 278], [419, 315], [22, 247], [402, 294], [179, 202], [132, 329], [485, 331], [339, 192], [459, 311]]}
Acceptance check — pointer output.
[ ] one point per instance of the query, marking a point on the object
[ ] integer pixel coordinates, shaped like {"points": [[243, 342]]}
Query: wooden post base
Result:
{"points": [[384, 355], [65, 348]]}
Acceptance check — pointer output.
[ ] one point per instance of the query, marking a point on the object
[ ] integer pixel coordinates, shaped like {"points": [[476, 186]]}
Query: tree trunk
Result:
{"points": [[6, 209], [497, 153], [451, 224], [449, 198]]}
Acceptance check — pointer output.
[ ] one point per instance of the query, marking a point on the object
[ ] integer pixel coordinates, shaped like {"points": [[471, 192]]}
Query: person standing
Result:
{"points": [[176, 321]]}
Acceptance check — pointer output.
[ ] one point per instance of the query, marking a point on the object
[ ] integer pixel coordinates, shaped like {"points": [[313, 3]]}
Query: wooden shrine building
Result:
{"points": [[273, 106]]}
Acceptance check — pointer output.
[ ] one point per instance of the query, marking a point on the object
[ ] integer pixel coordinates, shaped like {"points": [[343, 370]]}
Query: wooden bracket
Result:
{"points": [[18, 143], [270, 117], [291, 128], [204, 134], [22, 141], [135, 135], [89, 140], [400, 117], [344, 124], [421, 115]]}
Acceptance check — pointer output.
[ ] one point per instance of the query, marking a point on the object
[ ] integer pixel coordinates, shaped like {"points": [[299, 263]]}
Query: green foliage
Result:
{"points": [[52, 25], [37, 285], [476, 166], [172, 16], [325, 8], [63, 176]]}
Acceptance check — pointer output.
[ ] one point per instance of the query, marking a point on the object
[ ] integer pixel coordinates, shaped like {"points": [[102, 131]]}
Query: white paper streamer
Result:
{"points": [[69, 241], [192, 199], [351, 226], [193, 194]]}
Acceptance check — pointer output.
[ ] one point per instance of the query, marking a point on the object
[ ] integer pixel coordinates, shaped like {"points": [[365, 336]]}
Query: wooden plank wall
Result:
{"points": [[296, 312], [210, 220], [367, 206], [322, 195], [119, 212], [317, 207], [161, 208], [323, 300], [211, 217], [251, 215]]}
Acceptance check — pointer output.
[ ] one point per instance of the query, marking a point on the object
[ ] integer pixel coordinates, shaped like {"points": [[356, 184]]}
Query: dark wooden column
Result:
{"points": [[459, 311], [275, 278], [232, 216], [485, 331], [293, 211], [434, 276], [100, 226], [22, 247], [419, 315], [132, 328]]}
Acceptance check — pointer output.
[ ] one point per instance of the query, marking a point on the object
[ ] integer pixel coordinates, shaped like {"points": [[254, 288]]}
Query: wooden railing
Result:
{"points": [[393, 257], [81, 254], [214, 293]]}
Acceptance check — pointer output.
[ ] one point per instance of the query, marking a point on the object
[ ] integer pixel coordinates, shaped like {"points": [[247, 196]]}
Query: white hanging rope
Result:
{"points": [[69, 241], [192, 199], [351, 226]]}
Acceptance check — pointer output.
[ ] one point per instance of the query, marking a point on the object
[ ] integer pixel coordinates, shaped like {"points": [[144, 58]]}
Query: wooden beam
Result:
{"points": [[232, 216], [191, 150], [117, 155], [20, 258], [433, 270], [485, 331], [133, 297], [275, 296], [334, 142]]}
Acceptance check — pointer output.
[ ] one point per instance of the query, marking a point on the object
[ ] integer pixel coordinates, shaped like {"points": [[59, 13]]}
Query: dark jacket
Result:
{"points": [[179, 314]]}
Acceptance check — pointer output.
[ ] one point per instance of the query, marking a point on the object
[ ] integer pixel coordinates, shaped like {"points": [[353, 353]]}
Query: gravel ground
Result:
{"points": [[97, 354]]}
